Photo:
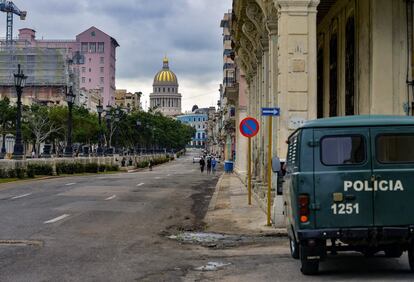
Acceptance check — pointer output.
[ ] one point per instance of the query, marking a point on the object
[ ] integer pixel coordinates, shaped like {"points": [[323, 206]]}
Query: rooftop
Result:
{"points": [[366, 120]]}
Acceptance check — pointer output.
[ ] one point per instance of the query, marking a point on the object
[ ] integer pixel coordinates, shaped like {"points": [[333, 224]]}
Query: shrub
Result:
{"points": [[91, 168], [143, 164], [20, 173], [11, 173], [101, 168], [39, 169]]}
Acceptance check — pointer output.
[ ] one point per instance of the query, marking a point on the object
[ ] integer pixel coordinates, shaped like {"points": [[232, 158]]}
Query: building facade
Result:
{"points": [[317, 59], [165, 97], [127, 100], [92, 56], [199, 121]]}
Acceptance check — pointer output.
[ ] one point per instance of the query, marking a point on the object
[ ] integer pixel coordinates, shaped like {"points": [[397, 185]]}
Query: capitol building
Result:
{"points": [[165, 97]]}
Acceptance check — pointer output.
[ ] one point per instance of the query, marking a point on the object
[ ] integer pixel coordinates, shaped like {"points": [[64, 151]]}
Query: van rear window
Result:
{"points": [[343, 150], [398, 148]]}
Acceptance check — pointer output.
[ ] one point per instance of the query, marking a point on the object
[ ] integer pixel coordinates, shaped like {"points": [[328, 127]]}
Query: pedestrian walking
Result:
{"points": [[202, 164], [209, 165], [150, 164], [213, 165]]}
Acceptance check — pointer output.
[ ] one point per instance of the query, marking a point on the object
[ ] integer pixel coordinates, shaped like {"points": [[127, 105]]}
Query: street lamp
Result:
{"points": [[70, 99], [19, 84], [117, 118], [138, 125], [100, 110], [108, 126]]}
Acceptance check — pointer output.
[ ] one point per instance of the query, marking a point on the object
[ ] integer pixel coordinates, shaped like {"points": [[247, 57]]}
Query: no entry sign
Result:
{"points": [[249, 127]]}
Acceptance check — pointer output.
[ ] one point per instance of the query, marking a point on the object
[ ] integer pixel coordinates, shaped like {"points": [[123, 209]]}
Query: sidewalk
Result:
{"points": [[230, 213]]}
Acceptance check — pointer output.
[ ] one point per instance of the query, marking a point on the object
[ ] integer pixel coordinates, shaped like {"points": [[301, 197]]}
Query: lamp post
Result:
{"points": [[99, 108], [138, 125], [70, 99], [108, 126], [117, 118], [19, 83]]}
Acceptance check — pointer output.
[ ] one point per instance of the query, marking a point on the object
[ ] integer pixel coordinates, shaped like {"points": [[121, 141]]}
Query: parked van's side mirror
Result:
{"points": [[276, 165]]}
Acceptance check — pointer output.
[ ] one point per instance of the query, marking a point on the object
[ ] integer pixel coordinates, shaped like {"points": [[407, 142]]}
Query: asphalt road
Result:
{"points": [[115, 228]]}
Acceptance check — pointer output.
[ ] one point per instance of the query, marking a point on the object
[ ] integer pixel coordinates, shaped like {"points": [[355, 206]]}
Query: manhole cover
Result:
{"points": [[34, 243]]}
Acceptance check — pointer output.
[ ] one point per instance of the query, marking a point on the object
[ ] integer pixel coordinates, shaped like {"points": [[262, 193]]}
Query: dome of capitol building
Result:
{"points": [[165, 97]]}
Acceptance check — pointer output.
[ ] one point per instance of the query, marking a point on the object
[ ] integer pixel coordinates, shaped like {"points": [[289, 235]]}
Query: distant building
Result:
{"points": [[91, 57], [165, 97], [89, 99], [199, 121], [128, 100]]}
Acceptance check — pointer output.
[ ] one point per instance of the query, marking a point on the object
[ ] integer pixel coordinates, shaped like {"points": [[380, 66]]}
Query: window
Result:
{"points": [[84, 47], [83, 79], [102, 80], [395, 148], [83, 69], [90, 80], [90, 70], [333, 76], [320, 81], [90, 60], [93, 33], [102, 70], [102, 60], [101, 48], [92, 47], [350, 67], [343, 150]]}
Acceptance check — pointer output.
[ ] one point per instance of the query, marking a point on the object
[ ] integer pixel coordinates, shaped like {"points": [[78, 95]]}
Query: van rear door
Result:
{"points": [[342, 177], [393, 171]]}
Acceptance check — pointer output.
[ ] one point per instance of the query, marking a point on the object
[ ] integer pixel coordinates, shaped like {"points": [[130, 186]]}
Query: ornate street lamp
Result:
{"points": [[138, 126], [108, 126], [117, 118], [70, 99], [19, 84], [100, 110]]}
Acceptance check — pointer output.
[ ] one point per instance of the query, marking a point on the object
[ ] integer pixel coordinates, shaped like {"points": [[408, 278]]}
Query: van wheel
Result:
{"points": [[411, 256], [294, 248], [393, 252], [309, 267]]}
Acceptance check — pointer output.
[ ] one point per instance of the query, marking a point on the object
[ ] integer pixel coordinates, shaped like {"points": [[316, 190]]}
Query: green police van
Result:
{"points": [[349, 186]]}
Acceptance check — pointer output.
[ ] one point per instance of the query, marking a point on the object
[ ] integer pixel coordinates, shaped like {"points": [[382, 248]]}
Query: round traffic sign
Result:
{"points": [[249, 127]]}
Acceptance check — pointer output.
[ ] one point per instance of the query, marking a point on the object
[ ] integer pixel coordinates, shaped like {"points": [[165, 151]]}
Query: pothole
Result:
{"points": [[21, 243], [216, 240], [212, 266]]}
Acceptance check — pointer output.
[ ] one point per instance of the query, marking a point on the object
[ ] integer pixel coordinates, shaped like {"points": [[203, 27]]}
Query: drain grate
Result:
{"points": [[33, 243]]}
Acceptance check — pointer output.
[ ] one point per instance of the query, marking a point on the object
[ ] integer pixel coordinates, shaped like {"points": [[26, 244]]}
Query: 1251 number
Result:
{"points": [[345, 208]]}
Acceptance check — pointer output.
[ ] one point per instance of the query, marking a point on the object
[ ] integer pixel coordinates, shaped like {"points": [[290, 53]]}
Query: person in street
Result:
{"points": [[213, 165], [150, 164], [202, 164], [209, 165]]}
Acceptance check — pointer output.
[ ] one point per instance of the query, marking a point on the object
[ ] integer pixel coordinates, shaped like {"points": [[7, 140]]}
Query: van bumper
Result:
{"points": [[358, 233]]}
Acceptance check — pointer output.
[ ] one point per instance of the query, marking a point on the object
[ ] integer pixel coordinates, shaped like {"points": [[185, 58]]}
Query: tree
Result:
{"points": [[38, 125]]}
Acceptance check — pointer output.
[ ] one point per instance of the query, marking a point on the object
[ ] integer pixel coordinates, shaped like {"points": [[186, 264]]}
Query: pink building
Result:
{"points": [[94, 58]]}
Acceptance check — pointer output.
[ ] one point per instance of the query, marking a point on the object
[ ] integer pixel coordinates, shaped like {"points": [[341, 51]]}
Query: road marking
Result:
{"points": [[70, 184], [110, 198], [140, 184], [56, 219], [21, 196]]}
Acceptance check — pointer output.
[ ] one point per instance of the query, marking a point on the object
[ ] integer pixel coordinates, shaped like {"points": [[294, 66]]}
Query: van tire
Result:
{"points": [[411, 256], [309, 267], [393, 252], [294, 248]]}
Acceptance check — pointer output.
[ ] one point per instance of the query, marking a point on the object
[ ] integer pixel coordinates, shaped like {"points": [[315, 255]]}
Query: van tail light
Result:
{"points": [[304, 208]]}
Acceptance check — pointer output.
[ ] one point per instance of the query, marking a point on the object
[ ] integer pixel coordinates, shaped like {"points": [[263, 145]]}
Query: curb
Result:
{"points": [[213, 200]]}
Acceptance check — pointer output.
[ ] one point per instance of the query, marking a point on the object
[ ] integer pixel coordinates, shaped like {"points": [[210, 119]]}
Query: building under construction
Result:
{"points": [[48, 71]]}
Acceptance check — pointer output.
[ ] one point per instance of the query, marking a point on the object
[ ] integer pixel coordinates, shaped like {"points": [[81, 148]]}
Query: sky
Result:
{"points": [[186, 31]]}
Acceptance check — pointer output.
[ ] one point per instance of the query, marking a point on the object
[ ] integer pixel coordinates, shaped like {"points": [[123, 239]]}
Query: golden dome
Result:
{"points": [[165, 76]]}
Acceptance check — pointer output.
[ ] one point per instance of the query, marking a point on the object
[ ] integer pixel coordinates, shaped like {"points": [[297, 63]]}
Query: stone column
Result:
{"points": [[297, 65]]}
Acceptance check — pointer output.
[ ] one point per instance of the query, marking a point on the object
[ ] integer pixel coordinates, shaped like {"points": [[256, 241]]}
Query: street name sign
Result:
{"points": [[249, 127], [270, 111]]}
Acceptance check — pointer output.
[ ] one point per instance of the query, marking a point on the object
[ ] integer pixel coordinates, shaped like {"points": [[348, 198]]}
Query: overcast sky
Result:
{"points": [[187, 31]]}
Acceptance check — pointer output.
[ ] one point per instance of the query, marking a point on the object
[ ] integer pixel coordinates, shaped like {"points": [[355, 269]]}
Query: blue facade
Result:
{"points": [[199, 122]]}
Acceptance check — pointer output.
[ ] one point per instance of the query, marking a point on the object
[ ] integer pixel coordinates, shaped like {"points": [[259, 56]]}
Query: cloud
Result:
{"points": [[187, 31]]}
